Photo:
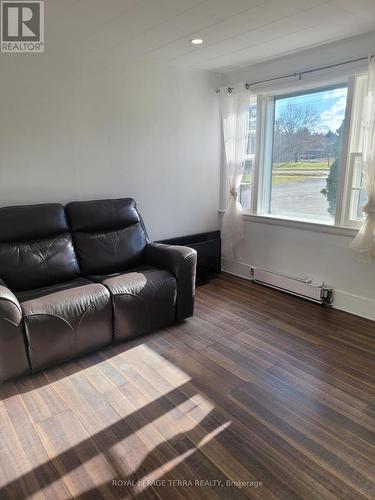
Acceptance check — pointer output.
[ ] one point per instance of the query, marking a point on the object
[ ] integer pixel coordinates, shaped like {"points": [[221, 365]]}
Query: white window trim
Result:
{"points": [[341, 196], [265, 139], [313, 81], [297, 224], [255, 180], [348, 222], [355, 117]]}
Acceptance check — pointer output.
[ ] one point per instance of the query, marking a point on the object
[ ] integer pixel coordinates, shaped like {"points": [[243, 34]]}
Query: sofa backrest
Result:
{"points": [[109, 235], [36, 247]]}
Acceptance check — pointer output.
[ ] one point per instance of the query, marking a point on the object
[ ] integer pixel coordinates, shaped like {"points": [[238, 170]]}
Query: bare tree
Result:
{"points": [[297, 119], [295, 126]]}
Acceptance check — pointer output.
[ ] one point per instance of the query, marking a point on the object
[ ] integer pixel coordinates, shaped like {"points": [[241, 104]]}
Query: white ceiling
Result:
{"points": [[236, 33]]}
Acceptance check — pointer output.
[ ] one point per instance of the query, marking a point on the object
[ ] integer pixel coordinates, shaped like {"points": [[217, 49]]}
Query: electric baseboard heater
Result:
{"points": [[301, 287]]}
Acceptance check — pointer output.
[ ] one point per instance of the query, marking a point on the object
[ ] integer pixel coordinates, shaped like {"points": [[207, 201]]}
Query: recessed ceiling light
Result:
{"points": [[196, 41]]}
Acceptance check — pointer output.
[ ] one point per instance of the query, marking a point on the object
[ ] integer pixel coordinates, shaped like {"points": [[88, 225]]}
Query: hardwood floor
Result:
{"points": [[259, 387]]}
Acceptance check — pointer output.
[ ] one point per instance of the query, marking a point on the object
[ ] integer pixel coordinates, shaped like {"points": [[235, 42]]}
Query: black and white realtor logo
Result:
{"points": [[22, 26]]}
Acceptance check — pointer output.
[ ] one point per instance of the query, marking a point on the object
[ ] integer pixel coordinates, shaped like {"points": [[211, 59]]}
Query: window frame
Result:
{"points": [[354, 136], [342, 182], [266, 150], [262, 185], [348, 221]]}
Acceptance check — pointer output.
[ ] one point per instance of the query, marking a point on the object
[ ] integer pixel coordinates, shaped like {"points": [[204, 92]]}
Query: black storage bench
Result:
{"points": [[208, 247]]}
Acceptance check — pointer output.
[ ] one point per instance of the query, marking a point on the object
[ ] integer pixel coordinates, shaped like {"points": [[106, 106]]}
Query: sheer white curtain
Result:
{"points": [[235, 116], [364, 242]]}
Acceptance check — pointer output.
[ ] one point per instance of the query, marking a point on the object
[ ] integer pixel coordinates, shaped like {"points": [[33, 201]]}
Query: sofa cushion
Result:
{"points": [[109, 235], [36, 248], [66, 320], [144, 299], [35, 293], [32, 222]]}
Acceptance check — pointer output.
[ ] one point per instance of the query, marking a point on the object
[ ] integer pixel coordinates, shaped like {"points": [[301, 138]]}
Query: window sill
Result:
{"points": [[297, 224]]}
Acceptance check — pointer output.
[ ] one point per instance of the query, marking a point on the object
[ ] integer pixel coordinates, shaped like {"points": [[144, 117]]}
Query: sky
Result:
{"points": [[330, 104]]}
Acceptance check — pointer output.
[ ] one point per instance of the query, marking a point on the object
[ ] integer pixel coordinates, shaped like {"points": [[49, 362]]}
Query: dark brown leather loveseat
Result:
{"points": [[76, 278]]}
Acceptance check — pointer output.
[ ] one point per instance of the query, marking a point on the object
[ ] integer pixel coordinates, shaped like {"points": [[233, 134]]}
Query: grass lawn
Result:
{"points": [[284, 179], [302, 166], [280, 179]]}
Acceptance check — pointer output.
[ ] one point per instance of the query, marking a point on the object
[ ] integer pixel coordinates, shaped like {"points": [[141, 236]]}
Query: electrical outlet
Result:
{"points": [[327, 295]]}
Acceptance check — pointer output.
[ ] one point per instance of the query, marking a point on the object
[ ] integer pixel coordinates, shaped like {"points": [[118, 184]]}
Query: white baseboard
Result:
{"points": [[354, 304], [239, 269]]}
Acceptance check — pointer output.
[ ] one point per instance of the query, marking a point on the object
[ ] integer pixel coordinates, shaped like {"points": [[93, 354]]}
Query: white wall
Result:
{"points": [[299, 252], [320, 256], [85, 127]]}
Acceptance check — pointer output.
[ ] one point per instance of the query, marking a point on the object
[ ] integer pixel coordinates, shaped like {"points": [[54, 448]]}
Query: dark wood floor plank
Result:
{"points": [[258, 386], [48, 478], [310, 439]]}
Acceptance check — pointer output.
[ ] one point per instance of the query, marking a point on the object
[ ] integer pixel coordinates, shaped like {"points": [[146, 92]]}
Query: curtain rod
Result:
{"points": [[300, 73]]}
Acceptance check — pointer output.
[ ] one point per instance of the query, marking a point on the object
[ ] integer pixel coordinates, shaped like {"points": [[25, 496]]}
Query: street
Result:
{"points": [[301, 199]]}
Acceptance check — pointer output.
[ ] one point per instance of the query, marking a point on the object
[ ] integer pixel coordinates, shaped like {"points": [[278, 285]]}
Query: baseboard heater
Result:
{"points": [[301, 287]]}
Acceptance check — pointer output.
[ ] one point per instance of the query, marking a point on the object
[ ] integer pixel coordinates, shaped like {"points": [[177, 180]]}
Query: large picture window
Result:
{"points": [[309, 145], [307, 140]]}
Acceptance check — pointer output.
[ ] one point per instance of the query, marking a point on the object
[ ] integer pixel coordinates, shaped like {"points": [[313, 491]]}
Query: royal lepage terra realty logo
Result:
{"points": [[22, 26]]}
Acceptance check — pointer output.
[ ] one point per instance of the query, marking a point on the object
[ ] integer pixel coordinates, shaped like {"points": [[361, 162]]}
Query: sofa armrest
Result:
{"points": [[10, 309], [13, 356], [182, 263]]}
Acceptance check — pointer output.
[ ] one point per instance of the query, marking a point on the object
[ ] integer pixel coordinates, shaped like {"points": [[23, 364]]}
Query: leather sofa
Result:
{"points": [[74, 279]]}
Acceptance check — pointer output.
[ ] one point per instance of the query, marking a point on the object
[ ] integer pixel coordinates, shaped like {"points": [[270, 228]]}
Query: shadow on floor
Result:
{"points": [[166, 457]]}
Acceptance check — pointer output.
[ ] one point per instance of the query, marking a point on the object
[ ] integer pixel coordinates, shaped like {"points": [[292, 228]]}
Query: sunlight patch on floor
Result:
{"points": [[171, 464], [181, 419]]}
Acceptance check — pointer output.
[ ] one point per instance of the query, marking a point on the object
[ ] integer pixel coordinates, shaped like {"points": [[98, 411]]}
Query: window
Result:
{"points": [[247, 179], [307, 139], [310, 165]]}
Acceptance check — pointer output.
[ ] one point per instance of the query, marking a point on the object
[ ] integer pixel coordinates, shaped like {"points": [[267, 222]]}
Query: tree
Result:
{"points": [[296, 119], [294, 125], [330, 191]]}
